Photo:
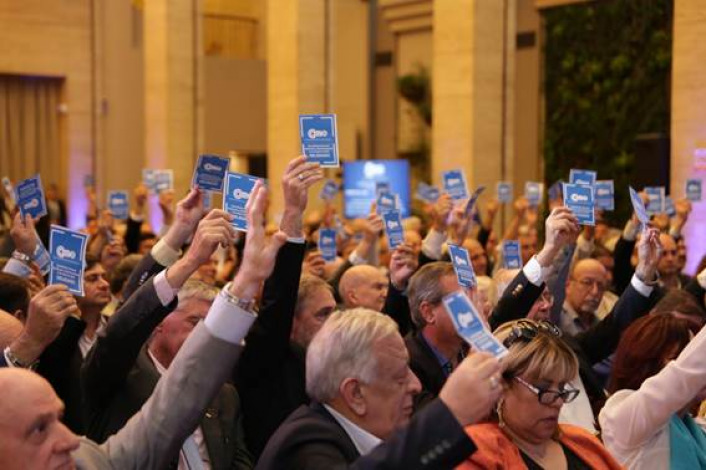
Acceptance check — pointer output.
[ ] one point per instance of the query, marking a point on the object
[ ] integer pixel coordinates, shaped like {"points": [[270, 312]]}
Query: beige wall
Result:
{"points": [[413, 49], [385, 94]]}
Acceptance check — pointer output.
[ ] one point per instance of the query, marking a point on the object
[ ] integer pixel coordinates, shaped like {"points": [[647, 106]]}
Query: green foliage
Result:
{"points": [[415, 88], [607, 80]]}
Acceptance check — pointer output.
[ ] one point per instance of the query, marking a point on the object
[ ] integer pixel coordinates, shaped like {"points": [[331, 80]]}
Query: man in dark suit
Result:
{"points": [[361, 388]]}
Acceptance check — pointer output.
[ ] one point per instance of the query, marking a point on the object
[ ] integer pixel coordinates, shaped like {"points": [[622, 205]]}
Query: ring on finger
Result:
{"points": [[301, 176]]}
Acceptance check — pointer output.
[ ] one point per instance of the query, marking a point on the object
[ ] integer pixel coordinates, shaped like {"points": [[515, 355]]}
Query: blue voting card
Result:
{"points": [[504, 190], [207, 200], [604, 195], [88, 181], [319, 138], [693, 190], [511, 254], [470, 326], [118, 204], [235, 197], [585, 177], [210, 172], [393, 228], [149, 179], [382, 187], [655, 199], [9, 189], [463, 267], [327, 244], [30, 197], [67, 250], [555, 191], [533, 193], [639, 207], [669, 208], [386, 203], [455, 184], [41, 257], [579, 199], [472, 200], [427, 193], [163, 180], [329, 190]]}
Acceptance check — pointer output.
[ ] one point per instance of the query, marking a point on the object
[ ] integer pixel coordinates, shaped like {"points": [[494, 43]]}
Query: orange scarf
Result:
{"points": [[497, 451]]}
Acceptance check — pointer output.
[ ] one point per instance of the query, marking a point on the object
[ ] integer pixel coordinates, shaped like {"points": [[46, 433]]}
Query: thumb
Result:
{"points": [[278, 240]]}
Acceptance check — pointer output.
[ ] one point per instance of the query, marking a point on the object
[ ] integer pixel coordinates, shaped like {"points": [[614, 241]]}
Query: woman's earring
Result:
{"points": [[499, 411]]}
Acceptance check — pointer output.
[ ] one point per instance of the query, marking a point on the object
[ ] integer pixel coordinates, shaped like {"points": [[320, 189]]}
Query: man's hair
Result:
{"points": [[308, 284], [197, 290], [425, 285], [14, 293], [91, 261], [345, 347], [122, 272], [679, 301]]}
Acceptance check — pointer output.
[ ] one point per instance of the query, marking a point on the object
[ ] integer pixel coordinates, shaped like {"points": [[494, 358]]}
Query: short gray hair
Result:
{"points": [[308, 284], [343, 348], [425, 285], [198, 290]]}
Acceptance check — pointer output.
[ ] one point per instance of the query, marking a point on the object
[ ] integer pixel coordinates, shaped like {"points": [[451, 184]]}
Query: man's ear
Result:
{"points": [[426, 310], [20, 315], [350, 390]]}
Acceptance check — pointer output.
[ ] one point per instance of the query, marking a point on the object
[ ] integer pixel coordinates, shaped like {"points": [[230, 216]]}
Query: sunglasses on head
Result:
{"points": [[526, 331]]}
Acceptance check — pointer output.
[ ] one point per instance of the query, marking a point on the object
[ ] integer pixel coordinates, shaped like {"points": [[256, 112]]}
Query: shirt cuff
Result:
{"points": [[534, 272], [298, 240], [356, 260], [640, 286], [701, 277], [164, 254], [431, 246], [17, 268], [165, 292], [137, 217], [227, 321], [631, 230]]}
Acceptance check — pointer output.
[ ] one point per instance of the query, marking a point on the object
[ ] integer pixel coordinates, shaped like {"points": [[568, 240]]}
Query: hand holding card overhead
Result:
{"points": [[561, 228]]}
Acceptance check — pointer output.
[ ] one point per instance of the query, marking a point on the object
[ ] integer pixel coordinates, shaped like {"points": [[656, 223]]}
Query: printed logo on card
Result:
{"points": [[64, 253]]}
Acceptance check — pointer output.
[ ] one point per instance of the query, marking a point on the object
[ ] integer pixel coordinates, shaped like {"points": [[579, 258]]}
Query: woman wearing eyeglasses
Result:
{"points": [[525, 432]]}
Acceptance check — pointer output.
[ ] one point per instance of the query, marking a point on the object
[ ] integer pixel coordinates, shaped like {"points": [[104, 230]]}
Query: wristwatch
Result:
{"points": [[15, 362], [246, 304], [19, 256]]}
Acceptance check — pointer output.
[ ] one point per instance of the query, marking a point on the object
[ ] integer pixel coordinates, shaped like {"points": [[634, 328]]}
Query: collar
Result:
{"points": [[364, 441], [575, 319], [445, 363], [157, 365]]}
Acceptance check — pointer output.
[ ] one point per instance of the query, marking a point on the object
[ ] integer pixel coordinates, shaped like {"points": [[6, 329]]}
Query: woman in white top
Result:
{"points": [[658, 376]]}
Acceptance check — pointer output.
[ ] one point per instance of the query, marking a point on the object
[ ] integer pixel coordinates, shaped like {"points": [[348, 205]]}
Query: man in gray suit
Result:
{"points": [[32, 436]]}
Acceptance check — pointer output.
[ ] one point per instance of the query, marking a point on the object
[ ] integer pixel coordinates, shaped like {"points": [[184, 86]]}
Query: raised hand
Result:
{"points": [[166, 205], [23, 234], [649, 251], [403, 263], [314, 264], [188, 214], [440, 212], [299, 176], [140, 196], [561, 228]]}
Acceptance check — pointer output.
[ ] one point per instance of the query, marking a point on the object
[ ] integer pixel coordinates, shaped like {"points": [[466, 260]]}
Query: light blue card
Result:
{"points": [[327, 244], [693, 190], [385, 203], [604, 194], [30, 197], [163, 180], [118, 204], [207, 200], [470, 326], [579, 199], [382, 187], [555, 191], [149, 179], [533, 193], [655, 199], [585, 177], [639, 207], [67, 250], [669, 207], [235, 197], [463, 267], [511, 254], [455, 184], [329, 190], [210, 172], [427, 193], [393, 228], [504, 190], [473, 199], [319, 138], [41, 257]]}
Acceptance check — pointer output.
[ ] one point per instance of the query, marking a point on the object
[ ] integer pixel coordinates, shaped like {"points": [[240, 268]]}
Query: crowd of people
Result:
{"points": [[200, 347]]}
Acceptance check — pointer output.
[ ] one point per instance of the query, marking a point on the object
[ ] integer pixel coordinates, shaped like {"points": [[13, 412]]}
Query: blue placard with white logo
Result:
{"points": [[30, 197], [472, 201], [163, 180], [655, 199], [693, 190], [41, 257], [118, 204], [639, 207], [149, 179], [511, 254], [555, 191], [504, 190], [393, 228], [210, 172], [585, 177], [427, 193], [382, 187], [463, 267], [235, 197], [67, 250], [579, 199], [327, 244], [455, 184], [669, 208], [604, 195], [533, 193], [319, 138], [329, 190], [470, 326], [385, 203]]}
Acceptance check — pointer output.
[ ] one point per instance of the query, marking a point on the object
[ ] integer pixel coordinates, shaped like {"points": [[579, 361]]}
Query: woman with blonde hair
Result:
{"points": [[525, 433]]}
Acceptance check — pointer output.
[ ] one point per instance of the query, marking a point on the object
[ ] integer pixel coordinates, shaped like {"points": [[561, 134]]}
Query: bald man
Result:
{"points": [[584, 291], [363, 286]]}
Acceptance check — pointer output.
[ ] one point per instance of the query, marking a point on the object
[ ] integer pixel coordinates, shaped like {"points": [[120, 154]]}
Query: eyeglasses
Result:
{"points": [[546, 396], [526, 331], [587, 283]]}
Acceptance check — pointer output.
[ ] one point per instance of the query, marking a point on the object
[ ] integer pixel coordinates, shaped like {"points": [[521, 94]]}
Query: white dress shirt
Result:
{"points": [[362, 439]]}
